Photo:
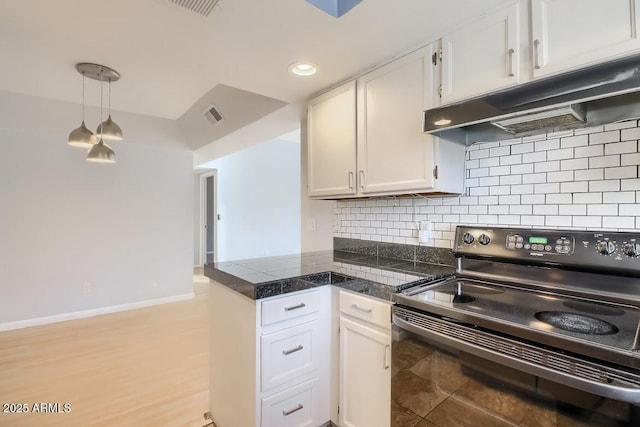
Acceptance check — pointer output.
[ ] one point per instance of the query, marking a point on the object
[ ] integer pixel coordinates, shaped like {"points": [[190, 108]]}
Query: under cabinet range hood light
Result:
{"points": [[593, 96]]}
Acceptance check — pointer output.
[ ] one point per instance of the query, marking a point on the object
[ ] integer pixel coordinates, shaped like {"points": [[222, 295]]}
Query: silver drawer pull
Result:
{"points": [[293, 350], [295, 307], [291, 411], [364, 310]]}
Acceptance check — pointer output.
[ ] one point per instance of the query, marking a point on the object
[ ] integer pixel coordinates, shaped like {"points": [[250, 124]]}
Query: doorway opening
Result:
{"points": [[208, 217]]}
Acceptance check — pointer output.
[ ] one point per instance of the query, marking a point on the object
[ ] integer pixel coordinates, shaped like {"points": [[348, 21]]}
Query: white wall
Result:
{"points": [[259, 201], [583, 179], [78, 236]]}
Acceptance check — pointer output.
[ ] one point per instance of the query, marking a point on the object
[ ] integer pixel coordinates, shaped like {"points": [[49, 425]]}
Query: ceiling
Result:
{"points": [[170, 57]]}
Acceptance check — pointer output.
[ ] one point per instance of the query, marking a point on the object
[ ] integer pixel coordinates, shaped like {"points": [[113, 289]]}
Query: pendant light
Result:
{"points": [[108, 129], [101, 152], [82, 137]]}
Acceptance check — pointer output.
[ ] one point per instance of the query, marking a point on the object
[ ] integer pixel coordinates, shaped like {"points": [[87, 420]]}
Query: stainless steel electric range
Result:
{"points": [[536, 328]]}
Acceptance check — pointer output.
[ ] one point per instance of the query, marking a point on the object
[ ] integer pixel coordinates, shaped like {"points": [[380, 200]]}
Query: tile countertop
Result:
{"points": [[375, 276]]}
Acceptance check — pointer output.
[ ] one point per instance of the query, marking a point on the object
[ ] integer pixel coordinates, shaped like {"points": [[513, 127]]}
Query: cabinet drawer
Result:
{"points": [[288, 354], [290, 307], [291, 408], [366, 308]]}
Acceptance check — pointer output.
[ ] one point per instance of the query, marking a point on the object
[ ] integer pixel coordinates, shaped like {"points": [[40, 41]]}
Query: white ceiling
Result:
{"points": [[170, 57]]}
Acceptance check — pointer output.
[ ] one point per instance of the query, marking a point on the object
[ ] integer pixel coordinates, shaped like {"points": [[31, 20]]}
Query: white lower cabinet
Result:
{"points": [[270, 359], [365, 362], [291, 408]]}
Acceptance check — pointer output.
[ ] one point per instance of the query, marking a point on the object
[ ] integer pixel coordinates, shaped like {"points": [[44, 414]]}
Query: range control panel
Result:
{"points": [[597, 249]]}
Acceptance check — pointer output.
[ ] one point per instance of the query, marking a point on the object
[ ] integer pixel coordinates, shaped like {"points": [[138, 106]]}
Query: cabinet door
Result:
{"points": [[568, 34], [365, 376], [482, 57], [332, 142], [394, 155]]}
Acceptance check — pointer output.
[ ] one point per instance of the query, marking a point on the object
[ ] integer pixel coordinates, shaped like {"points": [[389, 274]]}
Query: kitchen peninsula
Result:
{"points": [[275, 343]]}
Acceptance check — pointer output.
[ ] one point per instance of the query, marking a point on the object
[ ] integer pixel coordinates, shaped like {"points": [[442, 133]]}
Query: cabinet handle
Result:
{"points": [[293, 350], [364, 310], [351, 180], [386, 356], [511, 52], [295, 307], [536, 60], [361, 176], [291, 411]]}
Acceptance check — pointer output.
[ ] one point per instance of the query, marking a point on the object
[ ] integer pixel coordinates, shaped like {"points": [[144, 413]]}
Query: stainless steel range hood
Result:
{"points": [[597, 95]]}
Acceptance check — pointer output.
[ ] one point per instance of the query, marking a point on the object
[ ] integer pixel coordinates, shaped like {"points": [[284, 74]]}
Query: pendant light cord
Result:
{"points": [[109, 97], [83, 96], [101, 99]]}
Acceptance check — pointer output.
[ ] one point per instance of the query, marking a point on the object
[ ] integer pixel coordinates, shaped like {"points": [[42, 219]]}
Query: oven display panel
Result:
{"points": [[541, 244]]}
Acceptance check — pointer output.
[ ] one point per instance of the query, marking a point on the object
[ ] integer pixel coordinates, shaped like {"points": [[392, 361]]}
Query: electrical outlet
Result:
{"points": [[336, 224], [311, 224], [86, 287]]}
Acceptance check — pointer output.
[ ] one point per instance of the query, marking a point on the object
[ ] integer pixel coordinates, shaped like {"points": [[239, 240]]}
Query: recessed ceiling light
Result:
{"points": [[442, 122], [303, 68]]}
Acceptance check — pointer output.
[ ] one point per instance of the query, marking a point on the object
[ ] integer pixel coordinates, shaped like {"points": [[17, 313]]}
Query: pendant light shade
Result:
{"points": [[108, 129], [101, 153], [82, 137]]}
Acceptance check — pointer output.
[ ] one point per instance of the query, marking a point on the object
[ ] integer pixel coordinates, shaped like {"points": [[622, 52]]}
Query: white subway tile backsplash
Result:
{"points": [[574, 187], [586, 179], [559, 199], [574, 141], [613, 185], [540, 156], [618, 222], [621, 147], [604, 137], [587, 198], [630, 184], [621, 172], [546, 145], [604, 209], [547, 166], [488, 162], [574, 164], [589, 174], [545, 209], [604, 161], [619, 197], [572, 209], [628, 134]]}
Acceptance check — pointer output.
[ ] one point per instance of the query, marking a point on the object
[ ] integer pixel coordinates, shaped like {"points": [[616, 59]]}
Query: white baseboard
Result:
{"points": [[90, 313]]}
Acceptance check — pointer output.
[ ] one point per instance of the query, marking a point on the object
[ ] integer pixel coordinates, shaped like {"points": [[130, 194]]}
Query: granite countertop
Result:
{"points": [[371, 275]]}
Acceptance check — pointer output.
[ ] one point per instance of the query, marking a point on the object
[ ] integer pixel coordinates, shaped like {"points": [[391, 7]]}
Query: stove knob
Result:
{"points": [[484, 239], [605, 247], [467, 238], [632, 249]]}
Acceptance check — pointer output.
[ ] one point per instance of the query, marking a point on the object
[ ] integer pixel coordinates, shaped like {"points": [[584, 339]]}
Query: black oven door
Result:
{"points": [[434, 384]]}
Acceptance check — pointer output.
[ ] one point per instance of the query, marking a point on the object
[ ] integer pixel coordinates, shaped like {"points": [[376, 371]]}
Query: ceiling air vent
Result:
{"points": [[553, 119], [213, 115], [201, 7]]}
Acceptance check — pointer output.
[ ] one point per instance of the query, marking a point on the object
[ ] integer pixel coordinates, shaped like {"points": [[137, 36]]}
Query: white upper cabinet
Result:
{"points": [[484, 56], [393, 152], [332, 142], [381, 149], [569, 34]]}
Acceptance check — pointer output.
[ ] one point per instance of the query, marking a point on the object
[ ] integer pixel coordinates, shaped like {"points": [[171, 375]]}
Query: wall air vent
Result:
{"points": [[201, 7], [213, 115], [554, 119]]}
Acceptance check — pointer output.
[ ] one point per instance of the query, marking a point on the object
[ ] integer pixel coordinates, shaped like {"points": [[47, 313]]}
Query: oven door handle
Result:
{"points": [[611, 391]]}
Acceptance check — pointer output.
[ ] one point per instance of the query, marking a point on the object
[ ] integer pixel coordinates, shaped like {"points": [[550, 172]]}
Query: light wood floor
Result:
{"points": [[145, 367]]}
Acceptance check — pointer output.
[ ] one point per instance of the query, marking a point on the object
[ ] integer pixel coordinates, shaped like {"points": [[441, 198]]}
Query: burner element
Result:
{"points": [[594, 308], [576, 323]]}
